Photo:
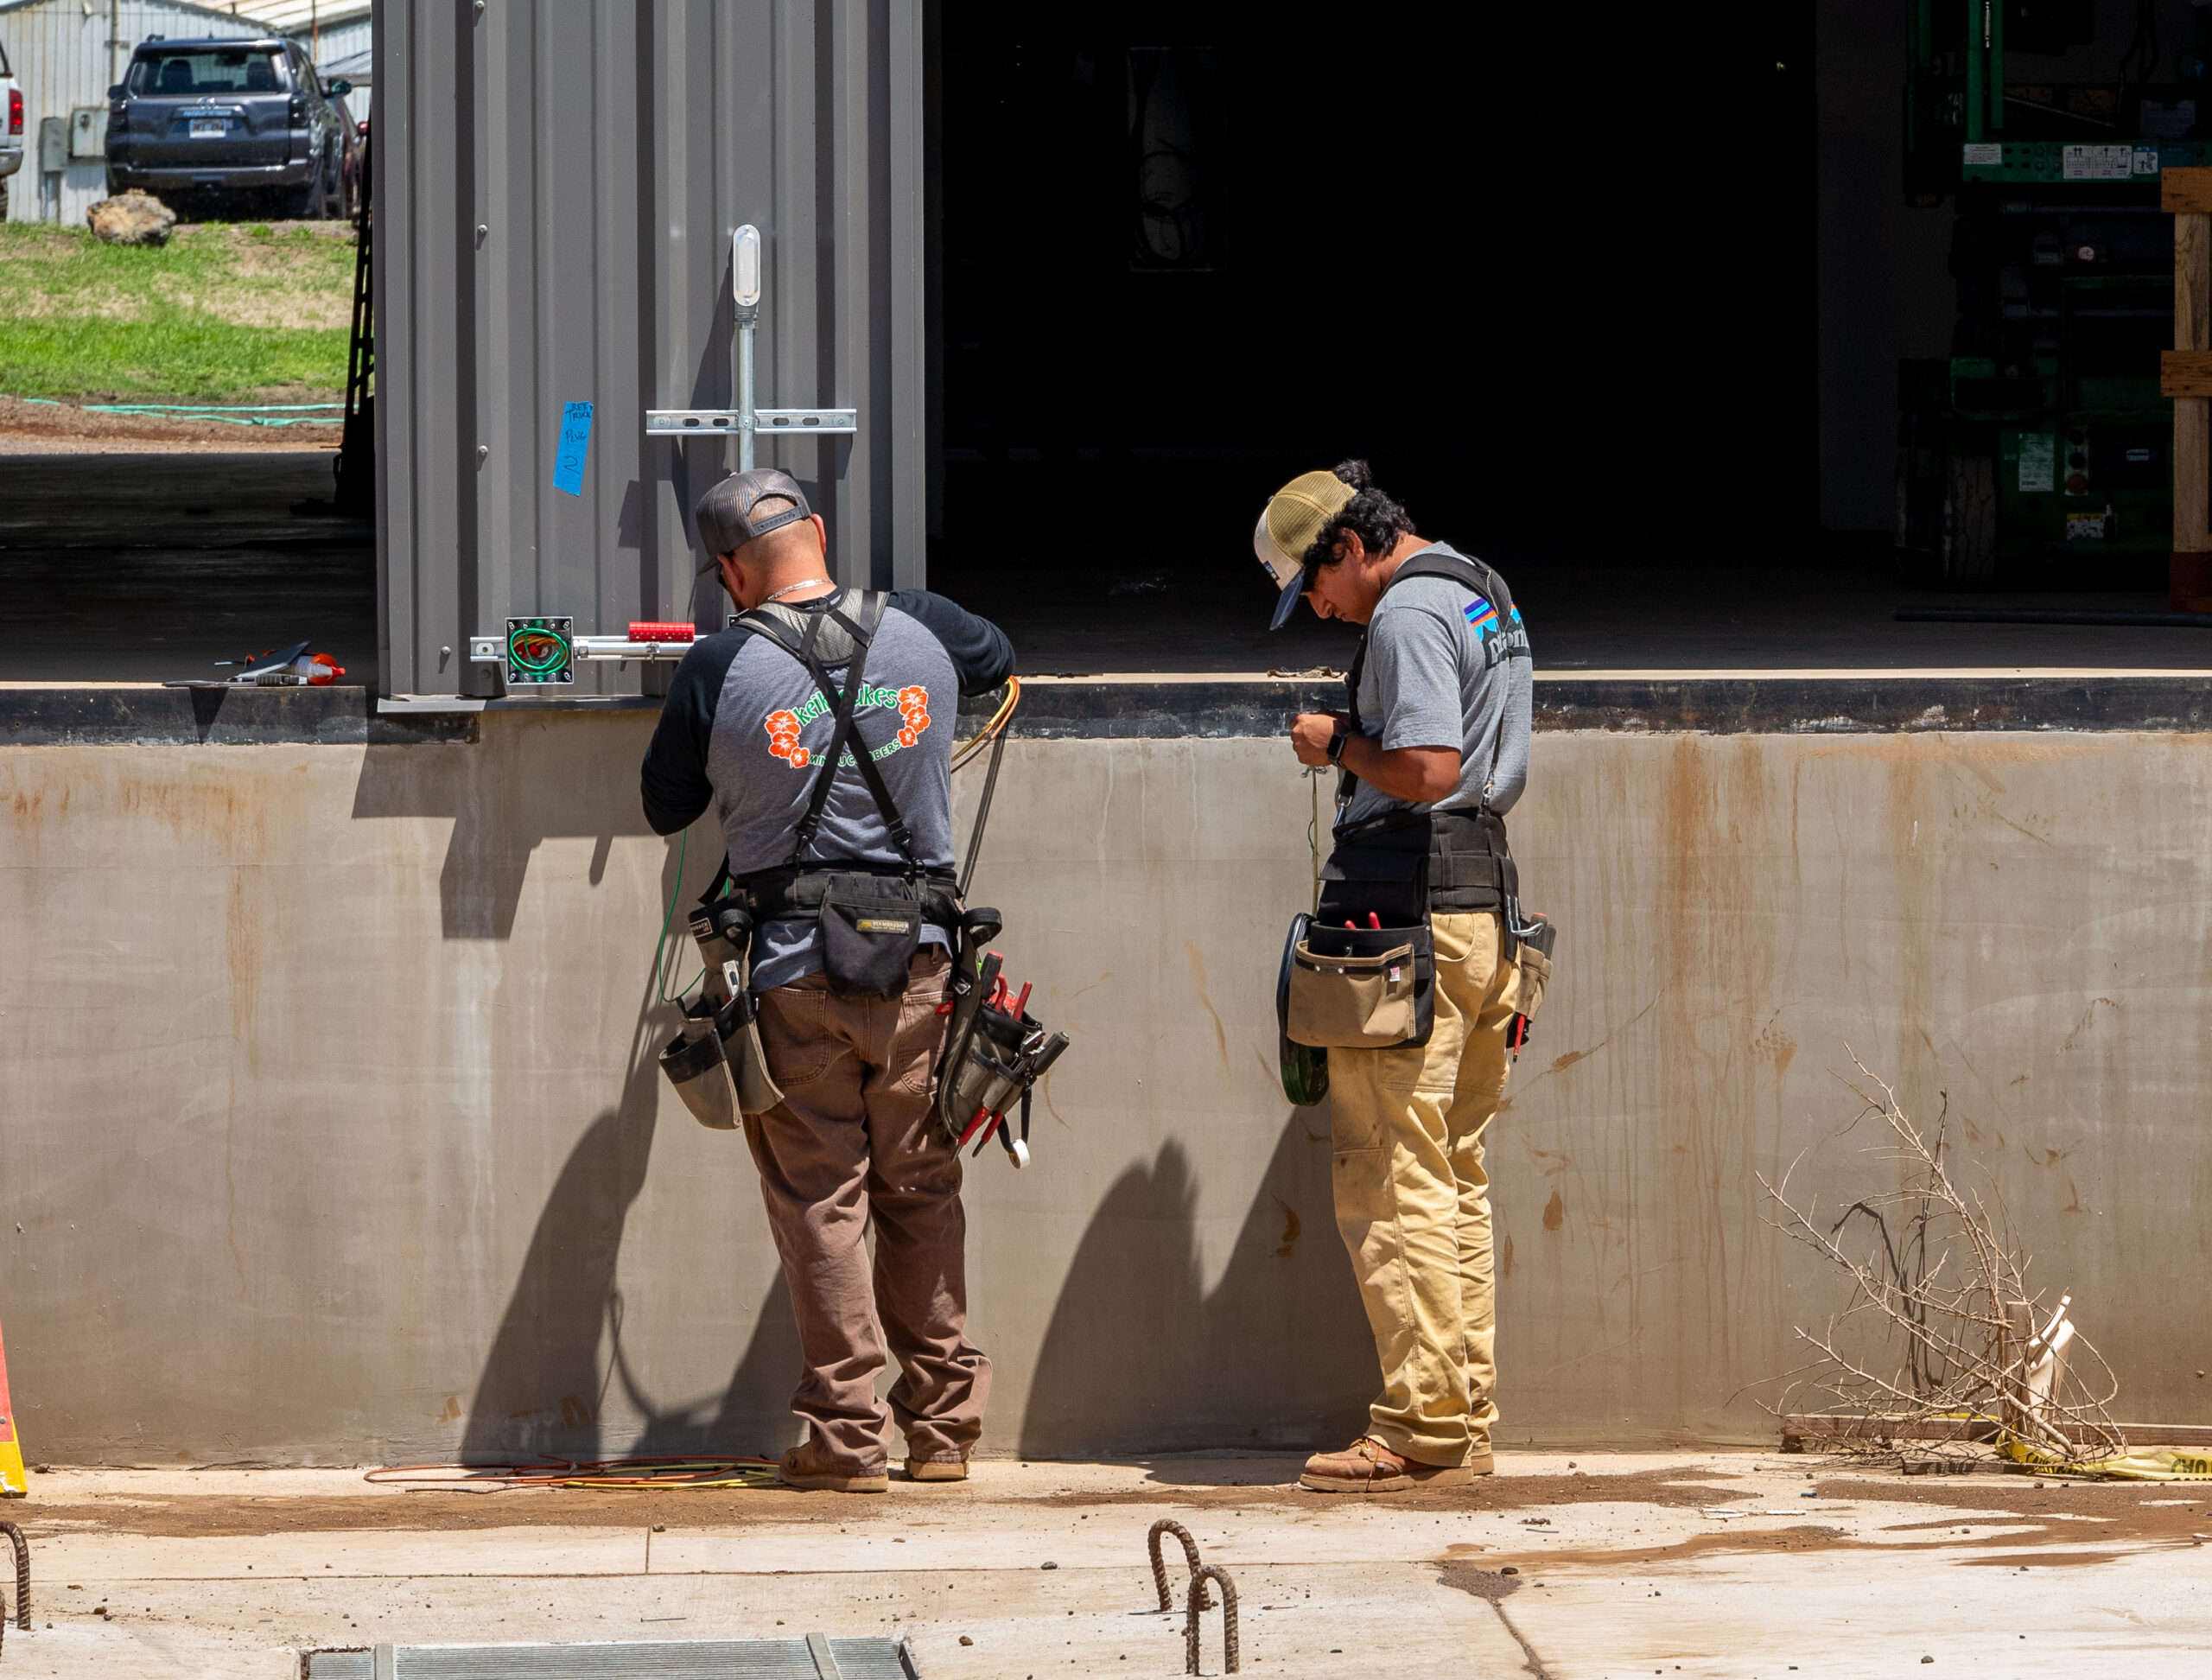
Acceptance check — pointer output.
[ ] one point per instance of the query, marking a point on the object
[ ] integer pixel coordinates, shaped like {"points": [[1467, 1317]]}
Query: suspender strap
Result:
{"points": [[1469, 574], [841, 705]]}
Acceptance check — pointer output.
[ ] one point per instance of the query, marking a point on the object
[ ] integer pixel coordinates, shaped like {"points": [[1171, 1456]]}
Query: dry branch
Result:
{"points": [[1940, 1327]]}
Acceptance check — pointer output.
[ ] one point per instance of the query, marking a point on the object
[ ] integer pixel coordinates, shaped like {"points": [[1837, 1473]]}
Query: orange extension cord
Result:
{"points": [[689, 1472]]}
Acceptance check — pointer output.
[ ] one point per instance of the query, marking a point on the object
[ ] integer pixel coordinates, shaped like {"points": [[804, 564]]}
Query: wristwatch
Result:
{"points": [[1337, 745]]}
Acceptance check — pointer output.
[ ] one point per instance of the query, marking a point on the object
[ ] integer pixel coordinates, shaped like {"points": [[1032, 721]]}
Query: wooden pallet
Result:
{"points": [[1799, 1430]]}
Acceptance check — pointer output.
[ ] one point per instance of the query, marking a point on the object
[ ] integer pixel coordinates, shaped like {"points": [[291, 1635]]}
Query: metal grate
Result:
{"points": [[817, 1657]]}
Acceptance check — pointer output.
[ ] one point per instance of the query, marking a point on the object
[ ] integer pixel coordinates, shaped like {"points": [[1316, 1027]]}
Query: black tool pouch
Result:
{"points": [[871, 927], [993, 1056], [1304, 1067], [695, 1065]]}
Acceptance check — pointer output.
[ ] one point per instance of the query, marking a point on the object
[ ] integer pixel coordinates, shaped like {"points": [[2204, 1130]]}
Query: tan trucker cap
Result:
{"points": [[1289, 524]]}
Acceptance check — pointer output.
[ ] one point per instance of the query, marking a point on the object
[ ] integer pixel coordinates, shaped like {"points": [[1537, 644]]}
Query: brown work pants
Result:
{"points": [[855, 1140]]}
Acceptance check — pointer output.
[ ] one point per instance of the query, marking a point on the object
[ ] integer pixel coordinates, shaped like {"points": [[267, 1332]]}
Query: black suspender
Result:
{"points": [[841, 705], [1457, 567]]}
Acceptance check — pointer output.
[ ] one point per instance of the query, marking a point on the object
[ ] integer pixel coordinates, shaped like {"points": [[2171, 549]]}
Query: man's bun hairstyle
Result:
{"points": [[1370, 515]]}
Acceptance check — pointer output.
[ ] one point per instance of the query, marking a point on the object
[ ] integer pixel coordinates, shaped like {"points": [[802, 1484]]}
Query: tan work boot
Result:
{"points": [[1368, 1466], [937, 1469], [812, 1467]]}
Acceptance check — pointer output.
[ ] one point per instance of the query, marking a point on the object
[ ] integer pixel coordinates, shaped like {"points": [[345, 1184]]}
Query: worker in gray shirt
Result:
{"points": [[811, 789], [1433, 750]]}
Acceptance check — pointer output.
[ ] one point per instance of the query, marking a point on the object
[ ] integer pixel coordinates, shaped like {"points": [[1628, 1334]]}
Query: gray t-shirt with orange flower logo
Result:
{"points": [[745, 729]]}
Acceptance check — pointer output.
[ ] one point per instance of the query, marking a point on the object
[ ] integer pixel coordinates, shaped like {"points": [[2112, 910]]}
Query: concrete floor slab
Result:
{"points": [[1601, 1567]]}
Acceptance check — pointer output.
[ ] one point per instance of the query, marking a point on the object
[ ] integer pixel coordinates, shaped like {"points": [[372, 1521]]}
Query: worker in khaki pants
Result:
{"points": [[1434, 750], [1413, 1203]]}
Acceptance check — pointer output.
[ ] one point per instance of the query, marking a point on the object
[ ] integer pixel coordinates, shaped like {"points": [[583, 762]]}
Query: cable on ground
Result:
{"points": [[695, 1472]]}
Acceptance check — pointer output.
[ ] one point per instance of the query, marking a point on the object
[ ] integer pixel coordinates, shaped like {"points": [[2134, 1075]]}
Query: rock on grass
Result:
{"points": [[132, 218]]}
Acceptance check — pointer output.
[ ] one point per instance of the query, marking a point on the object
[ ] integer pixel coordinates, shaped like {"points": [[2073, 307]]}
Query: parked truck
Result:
{"points": [[12, 127], [228, 120]]}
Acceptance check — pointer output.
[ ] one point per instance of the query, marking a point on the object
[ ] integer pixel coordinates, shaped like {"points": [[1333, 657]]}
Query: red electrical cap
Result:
{"points": [[644, 630]]}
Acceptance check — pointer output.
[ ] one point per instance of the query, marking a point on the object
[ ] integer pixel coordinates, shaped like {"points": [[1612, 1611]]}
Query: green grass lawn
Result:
{"points": [[222, 313]]}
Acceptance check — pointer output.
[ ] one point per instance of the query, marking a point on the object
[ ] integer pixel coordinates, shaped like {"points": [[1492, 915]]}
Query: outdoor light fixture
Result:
{"points": [[745, 267]]}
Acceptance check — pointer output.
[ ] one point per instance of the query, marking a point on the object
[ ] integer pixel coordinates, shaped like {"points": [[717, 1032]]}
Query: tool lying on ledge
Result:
{"points": [[289, 667], [997, 1051]]}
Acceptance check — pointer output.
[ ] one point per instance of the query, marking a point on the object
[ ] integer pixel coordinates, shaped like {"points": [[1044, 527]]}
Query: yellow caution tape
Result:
{"points": [[2137, 1464]]}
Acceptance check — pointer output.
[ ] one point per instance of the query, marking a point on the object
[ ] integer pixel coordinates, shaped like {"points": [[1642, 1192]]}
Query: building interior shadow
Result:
{"points": [[1275, 1357]]}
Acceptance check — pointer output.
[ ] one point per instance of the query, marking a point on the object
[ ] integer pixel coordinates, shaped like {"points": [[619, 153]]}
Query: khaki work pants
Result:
{"points": [[855, 1140], [1413, 1200]]}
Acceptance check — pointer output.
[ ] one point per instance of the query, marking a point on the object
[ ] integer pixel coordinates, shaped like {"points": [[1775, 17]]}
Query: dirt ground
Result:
{"points": [[1734, 1565], [28, 428], [2074, 1515]]}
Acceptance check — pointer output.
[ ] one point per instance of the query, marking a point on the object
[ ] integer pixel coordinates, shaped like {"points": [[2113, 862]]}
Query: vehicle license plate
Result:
{"points": [[210, 128]]}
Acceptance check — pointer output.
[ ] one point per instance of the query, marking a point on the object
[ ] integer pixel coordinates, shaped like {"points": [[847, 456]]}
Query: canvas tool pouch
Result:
{"points": [[1532, 941], [1532, 958], [694, 1062], [871, 927], [723, 929], [1362, 988]]}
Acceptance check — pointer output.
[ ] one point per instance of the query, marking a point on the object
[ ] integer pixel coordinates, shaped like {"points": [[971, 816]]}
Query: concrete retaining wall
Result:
{"points": [[329, 1130]]}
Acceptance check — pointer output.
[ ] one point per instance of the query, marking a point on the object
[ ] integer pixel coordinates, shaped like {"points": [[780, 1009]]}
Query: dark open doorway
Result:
{"points": [[1554, 281]]}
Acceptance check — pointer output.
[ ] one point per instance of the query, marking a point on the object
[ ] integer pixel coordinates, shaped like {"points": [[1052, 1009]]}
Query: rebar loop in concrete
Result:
{"points": [[1199, 1578], [23, 1581], [1169, 1525]]}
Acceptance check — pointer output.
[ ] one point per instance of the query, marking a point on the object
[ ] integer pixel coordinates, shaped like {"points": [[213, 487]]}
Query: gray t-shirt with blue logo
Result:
{"points": [[1447, 667], [746, 729]]}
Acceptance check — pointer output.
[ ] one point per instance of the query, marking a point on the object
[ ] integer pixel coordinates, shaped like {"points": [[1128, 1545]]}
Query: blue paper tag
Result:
{"points": [[576, 439]]}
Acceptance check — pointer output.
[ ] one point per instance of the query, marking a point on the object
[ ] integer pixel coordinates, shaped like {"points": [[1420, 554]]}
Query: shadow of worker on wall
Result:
{"points": [[544, 1384], [1141, 1358], [545, 1381]]}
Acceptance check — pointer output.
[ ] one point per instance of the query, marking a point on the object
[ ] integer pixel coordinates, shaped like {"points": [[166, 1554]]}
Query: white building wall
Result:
{"points": [[345, 40]]}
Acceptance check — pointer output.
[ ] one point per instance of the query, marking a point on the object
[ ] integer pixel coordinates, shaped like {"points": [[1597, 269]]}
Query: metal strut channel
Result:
{"points": [[742, 419], [815, 423]]}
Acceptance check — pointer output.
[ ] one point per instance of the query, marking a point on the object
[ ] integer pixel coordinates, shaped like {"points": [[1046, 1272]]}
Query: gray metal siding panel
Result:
{"points": [[608, 148]]}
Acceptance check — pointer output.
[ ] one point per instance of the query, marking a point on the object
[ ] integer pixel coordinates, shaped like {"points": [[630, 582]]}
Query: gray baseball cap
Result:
{"points": [[724, 514]]}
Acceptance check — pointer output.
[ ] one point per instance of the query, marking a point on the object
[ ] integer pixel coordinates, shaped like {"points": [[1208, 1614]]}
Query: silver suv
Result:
{"points": [[226, 117], [11, 128]]}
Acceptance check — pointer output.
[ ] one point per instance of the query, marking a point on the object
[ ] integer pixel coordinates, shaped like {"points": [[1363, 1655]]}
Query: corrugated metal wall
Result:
{"points": [[341, 41], [556, 184], [63, 60]]}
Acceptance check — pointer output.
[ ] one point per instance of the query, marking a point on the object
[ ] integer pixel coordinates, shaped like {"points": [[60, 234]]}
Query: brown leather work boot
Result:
{"points": [[812, 1467], [936, 1469], [1368, 1466]]}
